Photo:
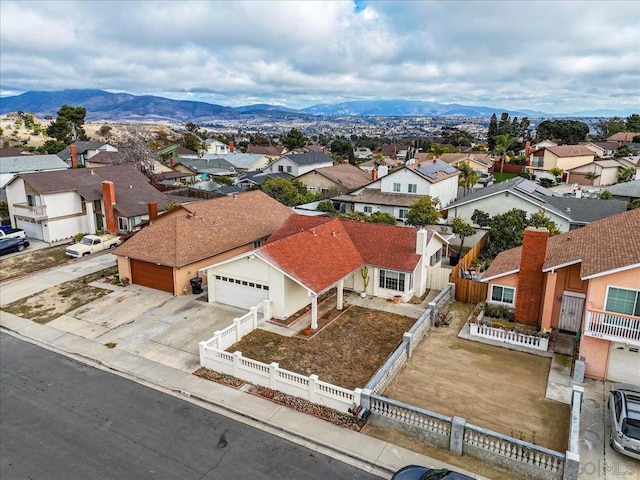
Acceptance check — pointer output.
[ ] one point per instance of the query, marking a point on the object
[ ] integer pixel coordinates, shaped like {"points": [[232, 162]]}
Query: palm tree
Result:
{"points": [[591, 176], [503, 142], [468, 176], [436, 149]]}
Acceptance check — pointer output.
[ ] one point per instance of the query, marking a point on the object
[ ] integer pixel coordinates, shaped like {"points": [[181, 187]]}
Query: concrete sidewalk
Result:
{"points": [[368, 453]]}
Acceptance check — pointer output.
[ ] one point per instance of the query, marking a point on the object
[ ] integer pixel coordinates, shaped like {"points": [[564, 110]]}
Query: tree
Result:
{"points": [[468, 176], [436, 149], [326, 206], [609, 127], [563, 131], [605, 195], [288, 192], [626, 174], [633, 123], [424, 212], [4, 209], [382, 217], [480, 218], [591, 176], [52, 146], [492, 132], [633, 204], [294, 139], [67, 128], [462, 229], [105, 130], [503, 143], [540, 220], [556, 171], [192, 142]]}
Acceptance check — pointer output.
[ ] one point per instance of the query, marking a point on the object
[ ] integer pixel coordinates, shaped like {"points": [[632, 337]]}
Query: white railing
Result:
{"points": [[37, 212], [223, 339], [509, 336], [410, 415], [612, 326]]}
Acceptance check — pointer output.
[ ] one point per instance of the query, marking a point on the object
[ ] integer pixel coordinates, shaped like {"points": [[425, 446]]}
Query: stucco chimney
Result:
{"points": [[153, 210], [109, 200], [374, 174], [231, 147], [421, 242], [530, 278], [73, 150]]}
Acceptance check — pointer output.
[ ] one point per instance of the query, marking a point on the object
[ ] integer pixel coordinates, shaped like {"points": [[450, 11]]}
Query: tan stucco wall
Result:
{"points": [[597, 291], [596, 354], [124, 267], [317, 182], [506, 281]]}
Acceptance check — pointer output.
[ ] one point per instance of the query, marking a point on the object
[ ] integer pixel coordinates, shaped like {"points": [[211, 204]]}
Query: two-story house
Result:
{"points": [[216, 147], [395, 193], [13, 165], [53, 206], [566, 157], [478, 161], [76, 154], [583, 281], [298, 163]]}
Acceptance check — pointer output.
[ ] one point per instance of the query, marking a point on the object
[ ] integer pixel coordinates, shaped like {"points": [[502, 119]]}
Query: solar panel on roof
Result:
{"points": [[432, 169], [527, 186]]}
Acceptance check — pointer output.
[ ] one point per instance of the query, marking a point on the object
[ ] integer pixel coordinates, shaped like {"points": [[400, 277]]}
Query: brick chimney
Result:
{"points": [[374, 174], [232, 147], [153, 210], [531, 279], [172, 162], [109, 199], [74, 156]]}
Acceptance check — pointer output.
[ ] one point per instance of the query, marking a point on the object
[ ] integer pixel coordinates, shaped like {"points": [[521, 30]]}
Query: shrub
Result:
{"points": [[78, 236]]}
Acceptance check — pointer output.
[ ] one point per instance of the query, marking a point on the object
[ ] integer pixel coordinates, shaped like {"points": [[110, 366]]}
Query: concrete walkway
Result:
{"points": [[84, 333]]}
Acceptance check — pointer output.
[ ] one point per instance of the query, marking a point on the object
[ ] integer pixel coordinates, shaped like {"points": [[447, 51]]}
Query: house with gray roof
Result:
{"points": [[627, 191], [14, 165], [247, 162], [298, 163], [84, 151], [567, 213], [205, 167]]}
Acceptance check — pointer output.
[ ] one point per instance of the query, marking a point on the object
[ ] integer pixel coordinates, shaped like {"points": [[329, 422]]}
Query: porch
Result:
{"points": [[612, 326], [35, 212]]}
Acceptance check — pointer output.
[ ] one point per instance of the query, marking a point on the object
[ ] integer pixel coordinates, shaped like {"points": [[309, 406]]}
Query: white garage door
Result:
{"points": [[624, 363], [32, 228], [240, 293]]}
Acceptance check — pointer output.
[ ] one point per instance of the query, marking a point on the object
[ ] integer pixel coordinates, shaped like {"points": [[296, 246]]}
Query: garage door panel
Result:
{"points": [[624, 363], [158, 277], [240, 293], [32, 229]]}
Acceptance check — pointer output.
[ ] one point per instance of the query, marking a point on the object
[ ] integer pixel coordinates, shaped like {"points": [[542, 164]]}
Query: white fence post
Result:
{"points": [[267, 310], [312, 388], [254, 316], [406, 337], [201, 347], [236, 324], [216, 335], [236, 364], [273, 369]]}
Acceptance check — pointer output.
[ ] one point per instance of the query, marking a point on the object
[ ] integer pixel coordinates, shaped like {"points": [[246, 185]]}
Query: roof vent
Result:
{"points": [[568, 209]]}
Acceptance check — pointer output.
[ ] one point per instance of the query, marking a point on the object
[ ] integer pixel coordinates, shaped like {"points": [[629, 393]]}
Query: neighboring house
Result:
{"points": [[627, 191], [394, 193], [633, 161], [274, 151], [363, 153], [77, 154], [216, 147], [339, 179], [174, 151], [309, 256], [14, 152], [298, 163], [606, 171], [623, 138], [537, 146], [57, 205], [203, 168], [255, 179], [602, 149], [582, 281], [567, 213], [247, 162], [376, 164], [12, 166], [168, 252], [566, 157], [316, 147], [479, 162], [396, 151], [126, 156]]}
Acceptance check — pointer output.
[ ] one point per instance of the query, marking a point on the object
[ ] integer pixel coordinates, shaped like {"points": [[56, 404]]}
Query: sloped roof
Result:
{"points": [[108, 158], [585, 210], [271, 151], [243, 160], [623, 136], [81, 147], [133, 190], [14, 152], [374, 196], [602, 246], [309, 158], [204, 229], [31, 163], [570, 151], [626, 189], [296, 224], [206, 165], [482, 158], [344, 174], [434, 171]]}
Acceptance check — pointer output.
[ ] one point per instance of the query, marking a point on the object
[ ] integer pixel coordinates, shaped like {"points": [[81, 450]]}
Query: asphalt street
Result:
{"points": [[60, 419]]}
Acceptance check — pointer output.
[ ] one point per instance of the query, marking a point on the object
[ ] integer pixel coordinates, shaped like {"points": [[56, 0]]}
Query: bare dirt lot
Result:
{"points": [[33, 262], [347, 352], [49, 304], [492, 387]]}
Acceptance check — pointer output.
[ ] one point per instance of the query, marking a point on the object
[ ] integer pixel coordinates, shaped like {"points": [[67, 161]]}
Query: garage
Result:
{"points": [[32, 228], [624, 363], [159, 277], [239, 293]]}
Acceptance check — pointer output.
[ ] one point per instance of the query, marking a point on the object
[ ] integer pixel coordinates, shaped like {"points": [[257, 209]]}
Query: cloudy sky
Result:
{"points": [[555, 56]]}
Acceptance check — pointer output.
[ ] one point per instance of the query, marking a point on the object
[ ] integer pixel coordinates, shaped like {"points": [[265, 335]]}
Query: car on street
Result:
{"points": [[485, 179], [416, 472], [624, 408], [9, 245]]}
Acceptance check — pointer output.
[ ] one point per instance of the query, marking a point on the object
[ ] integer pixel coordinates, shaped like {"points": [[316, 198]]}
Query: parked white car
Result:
{"points": [[624, 408]]}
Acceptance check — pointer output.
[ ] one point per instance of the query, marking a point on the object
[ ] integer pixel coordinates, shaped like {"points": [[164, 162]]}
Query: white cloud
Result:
{"points": [[554, 56]]}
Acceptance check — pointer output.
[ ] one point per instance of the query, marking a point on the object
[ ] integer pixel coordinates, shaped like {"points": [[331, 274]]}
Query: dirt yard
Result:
{"points": [[49, 304], [347, 352], [33, 262], [492, 387]]}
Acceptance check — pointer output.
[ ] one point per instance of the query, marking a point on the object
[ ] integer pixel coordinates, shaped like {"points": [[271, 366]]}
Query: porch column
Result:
{"points": [[340, 294], [314, 311], [91, 217], [548, 301]]}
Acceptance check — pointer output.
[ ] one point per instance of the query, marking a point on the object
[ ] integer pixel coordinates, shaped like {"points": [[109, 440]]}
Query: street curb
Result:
{"points": [[324, 448]]}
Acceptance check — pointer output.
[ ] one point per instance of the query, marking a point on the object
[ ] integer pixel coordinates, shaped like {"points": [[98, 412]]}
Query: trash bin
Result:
{"points": [[196, 285]]}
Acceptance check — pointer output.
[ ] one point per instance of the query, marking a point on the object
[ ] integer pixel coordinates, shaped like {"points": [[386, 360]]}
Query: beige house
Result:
{"points": [[606, 171], [566, 157], [479, 162], [339, 179], [169, 251]]}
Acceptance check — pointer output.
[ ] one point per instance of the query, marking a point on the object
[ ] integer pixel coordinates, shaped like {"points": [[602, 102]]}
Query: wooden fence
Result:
{"points": [[469, 290]]}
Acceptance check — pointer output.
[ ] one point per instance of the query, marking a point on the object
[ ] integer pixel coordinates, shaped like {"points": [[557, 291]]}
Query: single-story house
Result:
{"points": [[606, 171], [479, 162], [298, 163], [340, 178], [626, 192]]}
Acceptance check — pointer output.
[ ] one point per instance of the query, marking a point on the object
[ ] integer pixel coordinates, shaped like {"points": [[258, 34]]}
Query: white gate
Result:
{"points": [[571, 311], [437, 278]]}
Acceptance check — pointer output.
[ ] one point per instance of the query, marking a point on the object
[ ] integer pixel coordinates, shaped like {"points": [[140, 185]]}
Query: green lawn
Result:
{"points": [[501, 177]]}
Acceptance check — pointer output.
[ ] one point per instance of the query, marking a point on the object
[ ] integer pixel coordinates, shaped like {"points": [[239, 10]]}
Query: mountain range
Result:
{"points": [[103, 105]]}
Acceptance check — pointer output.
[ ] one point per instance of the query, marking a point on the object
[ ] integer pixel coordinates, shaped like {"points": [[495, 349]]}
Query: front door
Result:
{"points": [[571, 311]]}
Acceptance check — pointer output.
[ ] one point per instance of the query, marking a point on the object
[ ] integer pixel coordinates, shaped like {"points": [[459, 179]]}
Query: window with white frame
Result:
{"points": [[623, 300], [33, 200], [396, 187], [436, 257], [392, 280], [123, 224], [503, 294], [368, 209], [289, 168], [412, 188], [403, 213]]}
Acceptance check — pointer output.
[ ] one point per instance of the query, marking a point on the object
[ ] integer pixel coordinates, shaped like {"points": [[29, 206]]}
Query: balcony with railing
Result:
{"points": [[37, 212], [614, 327]]}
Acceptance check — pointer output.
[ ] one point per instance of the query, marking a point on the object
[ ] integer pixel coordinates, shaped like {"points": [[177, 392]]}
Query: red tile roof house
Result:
{"points": [[309, 256], [585, 280], [168, 252]]}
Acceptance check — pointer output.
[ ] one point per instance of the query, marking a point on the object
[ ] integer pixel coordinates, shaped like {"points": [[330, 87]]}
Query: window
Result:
{"points": [[396, 187], [33, 200], [123, 224], [435, 258], [502, 294], [280, 168], [368, 209], [289, 168], [412, 188], [392, 280], [402, 213], [623, 300]]}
